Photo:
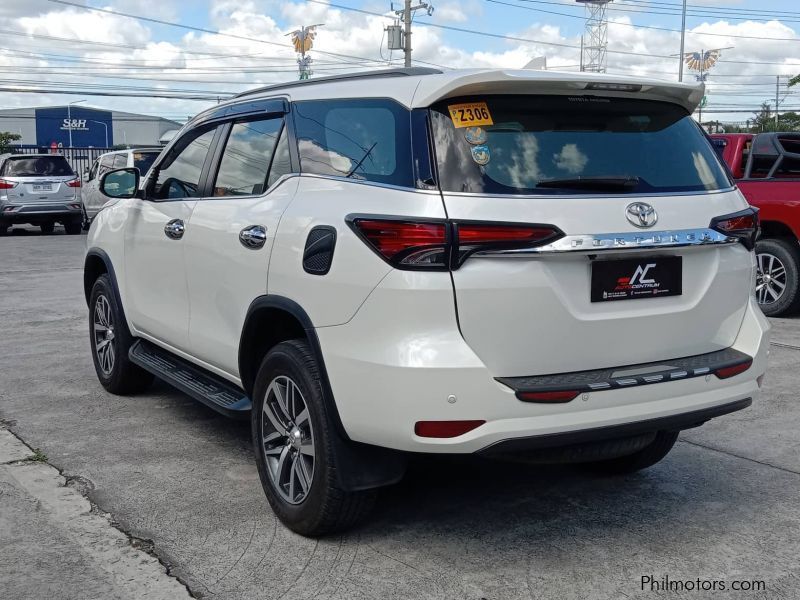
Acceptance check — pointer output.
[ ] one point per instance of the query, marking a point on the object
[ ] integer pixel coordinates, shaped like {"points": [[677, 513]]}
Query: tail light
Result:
{"points": [[406, 244], [440, 245], [492, 237], [74, 183], [742, 225], [7, 185]]}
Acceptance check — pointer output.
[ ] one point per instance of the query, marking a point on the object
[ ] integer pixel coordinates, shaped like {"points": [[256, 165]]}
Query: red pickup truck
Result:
{"points": [[766, 167]]}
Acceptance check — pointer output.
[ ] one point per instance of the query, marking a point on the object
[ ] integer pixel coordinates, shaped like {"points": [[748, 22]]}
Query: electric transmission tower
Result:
{"points": [[594, 40]]}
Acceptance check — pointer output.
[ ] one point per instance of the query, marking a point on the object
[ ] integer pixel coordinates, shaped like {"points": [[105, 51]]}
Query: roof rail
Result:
{"points": [[376, 74]]}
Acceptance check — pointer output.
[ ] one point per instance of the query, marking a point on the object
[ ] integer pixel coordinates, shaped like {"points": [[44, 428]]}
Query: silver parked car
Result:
{"points": [[39, 189], [93, 200]]}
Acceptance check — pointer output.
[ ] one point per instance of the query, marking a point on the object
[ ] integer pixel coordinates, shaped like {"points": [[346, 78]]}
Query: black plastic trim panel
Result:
{"points": [[672, 423], [598, 380]]}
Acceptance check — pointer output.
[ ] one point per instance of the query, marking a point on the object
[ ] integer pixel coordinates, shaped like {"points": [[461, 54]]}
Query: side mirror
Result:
{"points": [[85, 177], [120, 183]]}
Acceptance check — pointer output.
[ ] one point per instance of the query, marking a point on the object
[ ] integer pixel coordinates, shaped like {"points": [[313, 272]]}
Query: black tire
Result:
{"points": [[117, 374], [73, 227], [3, 229], [642, 459], [323, 508], [787, 253], [47, 228]]}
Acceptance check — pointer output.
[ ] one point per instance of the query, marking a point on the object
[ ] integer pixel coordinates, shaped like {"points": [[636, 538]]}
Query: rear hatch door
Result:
{"points": [[633, 186], [39, 179]]}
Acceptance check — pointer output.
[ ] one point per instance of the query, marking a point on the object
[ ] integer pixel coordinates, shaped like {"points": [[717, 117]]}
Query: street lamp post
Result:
{"points": [[69, 119], [105, 126]]}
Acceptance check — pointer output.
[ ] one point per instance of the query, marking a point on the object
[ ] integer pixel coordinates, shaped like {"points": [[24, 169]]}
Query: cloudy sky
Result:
{"points": [[212, 48]]}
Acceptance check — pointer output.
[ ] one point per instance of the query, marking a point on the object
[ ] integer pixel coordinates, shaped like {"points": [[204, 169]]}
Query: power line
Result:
{"points": [[652, 27], [209, 31]]}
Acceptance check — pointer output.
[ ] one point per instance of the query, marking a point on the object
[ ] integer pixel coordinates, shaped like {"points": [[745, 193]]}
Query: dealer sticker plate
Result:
{"points": [[632, 279]]}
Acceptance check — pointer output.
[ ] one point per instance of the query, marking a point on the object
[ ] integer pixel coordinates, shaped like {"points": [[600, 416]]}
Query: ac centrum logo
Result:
{"points": [[641, 214]]}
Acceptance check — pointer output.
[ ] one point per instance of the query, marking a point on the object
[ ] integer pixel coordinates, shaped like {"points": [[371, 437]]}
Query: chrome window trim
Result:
{"points": [[633, 197], [602, 242], [389, 186]]}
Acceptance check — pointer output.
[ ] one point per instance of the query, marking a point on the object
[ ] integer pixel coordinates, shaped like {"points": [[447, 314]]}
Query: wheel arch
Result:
{"points": [[776, 229], [97, 263], [270, 319]]}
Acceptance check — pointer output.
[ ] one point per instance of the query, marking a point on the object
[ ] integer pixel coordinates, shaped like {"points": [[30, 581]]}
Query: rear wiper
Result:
{"points": [[623, 184], [363, 158]]}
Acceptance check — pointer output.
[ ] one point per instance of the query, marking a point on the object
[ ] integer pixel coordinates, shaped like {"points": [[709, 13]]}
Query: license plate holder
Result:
{"points": [[42, 187], [636, 278]]}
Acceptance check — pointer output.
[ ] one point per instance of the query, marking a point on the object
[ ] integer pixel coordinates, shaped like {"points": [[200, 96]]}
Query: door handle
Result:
{"points": [[253, 236], [175, 229]]}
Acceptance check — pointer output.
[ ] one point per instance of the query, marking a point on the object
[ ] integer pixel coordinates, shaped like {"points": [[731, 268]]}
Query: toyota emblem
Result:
{"points": [[641, 214]]}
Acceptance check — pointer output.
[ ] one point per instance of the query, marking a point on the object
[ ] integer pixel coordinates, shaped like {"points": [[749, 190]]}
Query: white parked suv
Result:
{"points": [[93, 198], [505, 263]]}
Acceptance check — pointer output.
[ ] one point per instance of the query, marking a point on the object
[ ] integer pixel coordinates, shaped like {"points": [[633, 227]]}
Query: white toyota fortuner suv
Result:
{"points": [[553, 266]]}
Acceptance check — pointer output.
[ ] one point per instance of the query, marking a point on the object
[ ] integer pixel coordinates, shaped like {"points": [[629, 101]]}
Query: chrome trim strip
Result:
{"points": [[726, 190], [389, 186], [622, 241]]}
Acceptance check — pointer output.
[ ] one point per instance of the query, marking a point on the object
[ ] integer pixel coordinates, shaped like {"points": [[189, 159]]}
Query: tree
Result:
{"points": [[794, 80], [5, 140]]}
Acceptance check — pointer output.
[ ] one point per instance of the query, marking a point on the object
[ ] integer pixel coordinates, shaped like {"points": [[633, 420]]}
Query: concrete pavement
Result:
{"points": [[722, 506]]}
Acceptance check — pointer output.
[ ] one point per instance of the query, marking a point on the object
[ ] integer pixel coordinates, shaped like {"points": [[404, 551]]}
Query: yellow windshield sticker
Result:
{"points": [[470, 114]]}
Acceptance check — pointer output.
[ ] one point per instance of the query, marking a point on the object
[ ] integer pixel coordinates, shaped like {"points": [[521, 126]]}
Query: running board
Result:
{"points": [[213, 391]]}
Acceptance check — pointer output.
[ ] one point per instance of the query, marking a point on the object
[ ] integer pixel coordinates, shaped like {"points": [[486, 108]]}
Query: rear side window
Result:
{"points": [[247, 156], [144, 160], [361, 139], [120, 161], [545, 144], [37, 166]]}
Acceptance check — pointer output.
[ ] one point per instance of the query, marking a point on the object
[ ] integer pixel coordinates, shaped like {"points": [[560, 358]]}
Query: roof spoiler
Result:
{"points": [[550, 82]]}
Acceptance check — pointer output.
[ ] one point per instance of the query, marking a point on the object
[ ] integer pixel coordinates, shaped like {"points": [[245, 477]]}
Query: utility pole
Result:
{"points": [[683, 42], [407, 37], [406, 15], [777, 98]]}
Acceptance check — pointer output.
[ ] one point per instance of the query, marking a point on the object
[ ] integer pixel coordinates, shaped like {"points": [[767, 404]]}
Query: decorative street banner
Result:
{"points": [[90, 127]]}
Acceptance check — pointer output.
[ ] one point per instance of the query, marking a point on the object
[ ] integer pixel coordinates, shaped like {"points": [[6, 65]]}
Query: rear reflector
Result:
{"points": [[74, 183], [742, 225], [549, 397], [727, 372], [445, 429], [7, 185]]}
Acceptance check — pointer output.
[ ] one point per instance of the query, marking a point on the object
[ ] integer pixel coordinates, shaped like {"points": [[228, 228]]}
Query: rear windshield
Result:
{"points": [[37, 166], [564, 144], [144, 160]]}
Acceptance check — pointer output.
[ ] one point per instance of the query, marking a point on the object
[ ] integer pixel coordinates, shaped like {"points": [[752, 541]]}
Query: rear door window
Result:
{"points": [[564, 145], [37, 166], [365, 140], [247, 157]]}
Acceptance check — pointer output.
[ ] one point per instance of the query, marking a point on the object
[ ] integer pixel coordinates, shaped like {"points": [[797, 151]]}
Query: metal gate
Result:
{"points": [[80, 159]]}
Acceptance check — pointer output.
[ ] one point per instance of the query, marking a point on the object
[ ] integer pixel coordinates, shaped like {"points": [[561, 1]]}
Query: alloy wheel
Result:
{"points": [[287, 440], [104, 340], [770, 278]]}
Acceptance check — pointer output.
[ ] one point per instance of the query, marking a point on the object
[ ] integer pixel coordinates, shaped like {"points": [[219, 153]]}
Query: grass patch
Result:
{"points": [[38, 456]]}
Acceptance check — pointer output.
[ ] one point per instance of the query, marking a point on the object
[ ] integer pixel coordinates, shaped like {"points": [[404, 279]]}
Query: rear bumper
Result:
{"points": [[37, 213], [402, 359]]}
